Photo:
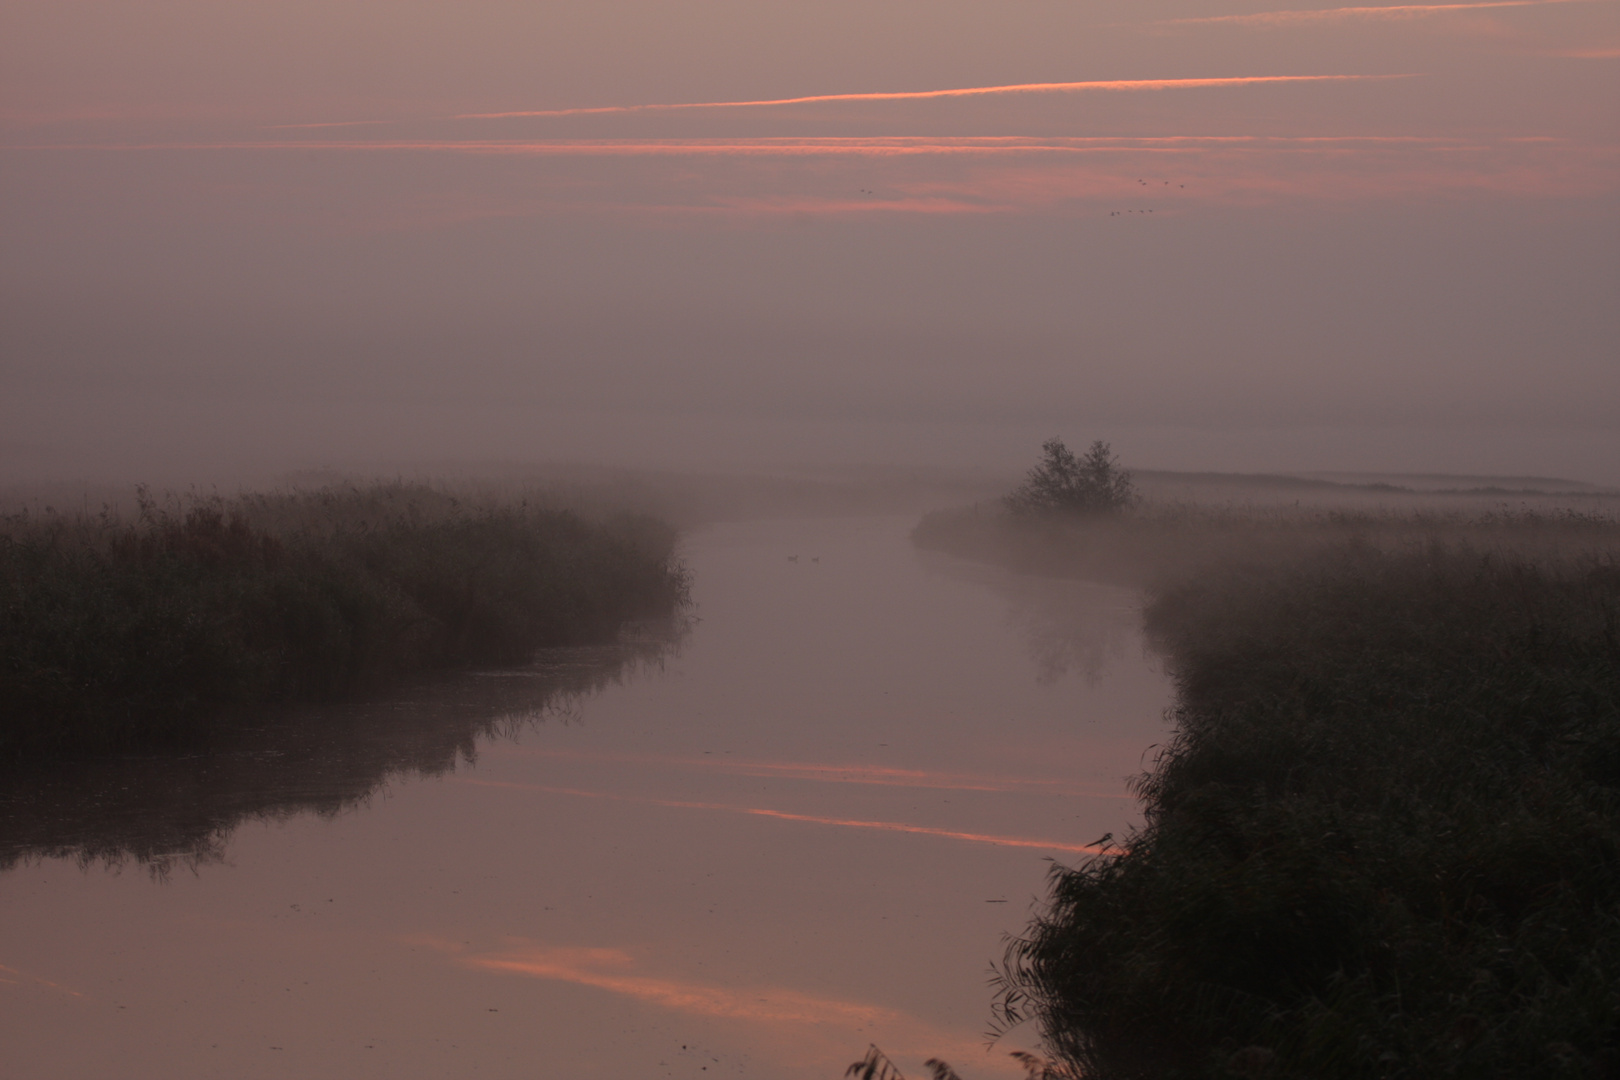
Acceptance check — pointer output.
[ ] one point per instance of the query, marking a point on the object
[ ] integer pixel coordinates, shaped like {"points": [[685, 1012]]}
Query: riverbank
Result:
{"points": [[153, 629], [1161, 545], [1384, 840]]}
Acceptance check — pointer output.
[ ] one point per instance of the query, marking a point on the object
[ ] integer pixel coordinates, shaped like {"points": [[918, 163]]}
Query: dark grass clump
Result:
{"points": [[1383, 842], [117, 634]]}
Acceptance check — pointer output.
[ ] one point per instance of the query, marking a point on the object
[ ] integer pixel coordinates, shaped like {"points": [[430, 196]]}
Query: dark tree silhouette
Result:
{"points": [[1064, 483]]}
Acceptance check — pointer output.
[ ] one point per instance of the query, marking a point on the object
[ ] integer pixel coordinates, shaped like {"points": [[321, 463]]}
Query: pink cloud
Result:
{"points": [[927, 176], [1114, 85], [1391, 11], [883, 146]]}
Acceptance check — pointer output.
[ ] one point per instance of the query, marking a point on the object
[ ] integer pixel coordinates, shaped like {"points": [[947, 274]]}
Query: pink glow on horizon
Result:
{"points": [[330, 124]]}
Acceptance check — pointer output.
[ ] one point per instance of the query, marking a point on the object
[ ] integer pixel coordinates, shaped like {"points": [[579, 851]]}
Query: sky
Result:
{"points": [[1222, 234]]}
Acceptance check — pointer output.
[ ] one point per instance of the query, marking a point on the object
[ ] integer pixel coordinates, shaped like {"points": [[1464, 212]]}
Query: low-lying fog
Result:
{"points": [[788, 276], [1445, 339]]}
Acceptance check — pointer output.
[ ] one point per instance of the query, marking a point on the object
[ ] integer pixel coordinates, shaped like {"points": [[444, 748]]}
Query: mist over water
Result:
{"points": [[249, 240], [787, 277], [1443, 338], [803, 828]]}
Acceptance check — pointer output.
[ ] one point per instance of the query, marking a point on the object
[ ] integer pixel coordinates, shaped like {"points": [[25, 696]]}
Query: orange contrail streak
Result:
{"points": [[1380, 12], [918, 95], [883, 826], [330, 124], [777, 146]]}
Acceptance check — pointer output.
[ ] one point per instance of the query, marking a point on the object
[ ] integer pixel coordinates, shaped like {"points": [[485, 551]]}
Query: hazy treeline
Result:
{"points": [[120, 630], [1384, 839]]}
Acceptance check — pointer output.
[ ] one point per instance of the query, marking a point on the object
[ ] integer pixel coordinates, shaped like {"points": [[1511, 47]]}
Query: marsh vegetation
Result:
{"points": [[1384, 838], [154, 629]]}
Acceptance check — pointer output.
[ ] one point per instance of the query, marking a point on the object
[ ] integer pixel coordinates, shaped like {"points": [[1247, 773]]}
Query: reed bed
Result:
{"points": [[1384, 838], [151, 629]]}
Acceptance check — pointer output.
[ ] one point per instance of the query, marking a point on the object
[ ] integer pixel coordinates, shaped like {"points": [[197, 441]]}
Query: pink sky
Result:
{"points": [[1224, 235]]}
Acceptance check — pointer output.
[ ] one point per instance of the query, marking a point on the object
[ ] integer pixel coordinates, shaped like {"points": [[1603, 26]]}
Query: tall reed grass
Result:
{"points": [[120, 632], [1384, 839]]}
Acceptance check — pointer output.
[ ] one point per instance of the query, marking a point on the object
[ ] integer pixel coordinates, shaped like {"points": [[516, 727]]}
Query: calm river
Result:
{"points": [[804, 829]]}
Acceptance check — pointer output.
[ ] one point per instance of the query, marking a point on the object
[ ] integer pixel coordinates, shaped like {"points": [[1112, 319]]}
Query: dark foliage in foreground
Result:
{"points": [[1384, 842], [118, 634], [877, 1066]]}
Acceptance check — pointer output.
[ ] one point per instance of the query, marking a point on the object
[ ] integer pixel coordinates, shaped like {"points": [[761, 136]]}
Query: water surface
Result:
{"points": [[804, 829]]}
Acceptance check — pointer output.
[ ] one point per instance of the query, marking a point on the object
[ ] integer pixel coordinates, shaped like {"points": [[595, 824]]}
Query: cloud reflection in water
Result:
{"points": [[759, 811]]}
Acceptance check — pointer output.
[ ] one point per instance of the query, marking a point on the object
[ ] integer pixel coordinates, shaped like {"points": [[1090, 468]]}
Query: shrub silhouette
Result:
{"points": [[1381, 842], [1065, 484]]}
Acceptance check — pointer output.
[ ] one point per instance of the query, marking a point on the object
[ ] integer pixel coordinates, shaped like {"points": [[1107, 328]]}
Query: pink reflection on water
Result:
{"points": [[612, 970], [23, 978], [843, 774], [884, 826], [797, 1026], [1387, 11]]}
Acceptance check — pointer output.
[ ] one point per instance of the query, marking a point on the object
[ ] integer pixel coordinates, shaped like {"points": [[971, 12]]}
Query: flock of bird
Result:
{"points": [[1144, 183]]}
